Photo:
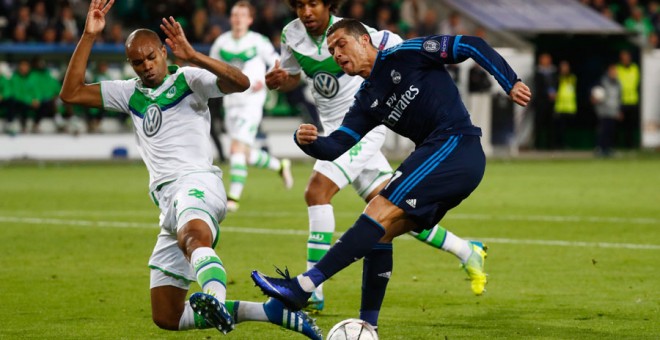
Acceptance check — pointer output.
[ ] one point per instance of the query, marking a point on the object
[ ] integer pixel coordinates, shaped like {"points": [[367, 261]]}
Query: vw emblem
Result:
{"points": [[326, 84], [152, 121]]}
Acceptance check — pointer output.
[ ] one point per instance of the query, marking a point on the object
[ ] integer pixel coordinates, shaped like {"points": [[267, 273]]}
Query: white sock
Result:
{"points": [[237, 175], [262, 159], [306, 283], [187, 320], [321, 228], [457, 246], [210, 272], [250, 311]]}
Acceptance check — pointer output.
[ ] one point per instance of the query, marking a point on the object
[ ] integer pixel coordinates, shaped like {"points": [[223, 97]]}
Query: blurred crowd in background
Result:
{"points": [[60, 22]]}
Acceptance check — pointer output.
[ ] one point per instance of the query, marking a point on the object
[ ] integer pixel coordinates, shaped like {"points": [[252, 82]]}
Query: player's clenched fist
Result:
{"points": [[520, 94], [306, 134]]}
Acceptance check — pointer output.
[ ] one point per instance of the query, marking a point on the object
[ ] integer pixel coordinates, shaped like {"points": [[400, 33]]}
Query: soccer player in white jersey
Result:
{"points": [[253, 54], [305, 50], [168, 106]]}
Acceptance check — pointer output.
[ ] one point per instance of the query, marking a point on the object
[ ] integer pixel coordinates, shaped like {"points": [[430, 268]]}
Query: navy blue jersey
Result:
{"points": [[410, 91]]}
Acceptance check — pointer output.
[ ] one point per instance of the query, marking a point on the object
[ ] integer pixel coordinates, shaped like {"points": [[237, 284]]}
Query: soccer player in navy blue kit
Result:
{"points": [[408, 89]]}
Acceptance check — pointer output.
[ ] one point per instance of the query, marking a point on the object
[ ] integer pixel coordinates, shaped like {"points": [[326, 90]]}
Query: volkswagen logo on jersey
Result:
{"points": [[326, 84], [396, 76], [153, 119], [431, 46], [171, 92]]}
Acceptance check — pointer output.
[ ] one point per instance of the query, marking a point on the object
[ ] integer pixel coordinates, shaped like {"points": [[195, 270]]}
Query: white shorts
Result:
{"points": [[242, 122], [199, 195], [363, 166]]}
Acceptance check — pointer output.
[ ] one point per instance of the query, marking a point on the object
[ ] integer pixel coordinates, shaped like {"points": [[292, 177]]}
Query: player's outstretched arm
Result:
{"points": [[74, 90], [325, 148], [483, 54], [230, 78], [520, 94]]}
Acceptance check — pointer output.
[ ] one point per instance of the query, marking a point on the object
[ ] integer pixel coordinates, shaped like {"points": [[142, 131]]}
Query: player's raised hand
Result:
{"points": [[276, 77], [520, 94], [176, 39], [306, 134], [96, 16]]}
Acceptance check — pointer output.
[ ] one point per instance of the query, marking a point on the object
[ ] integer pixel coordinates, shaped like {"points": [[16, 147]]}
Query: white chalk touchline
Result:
{"points": [[284, 214], [301, 232]]}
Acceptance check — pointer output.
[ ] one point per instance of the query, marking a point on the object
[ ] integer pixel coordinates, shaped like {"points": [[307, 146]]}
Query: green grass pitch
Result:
{"points": [[574, 249]]}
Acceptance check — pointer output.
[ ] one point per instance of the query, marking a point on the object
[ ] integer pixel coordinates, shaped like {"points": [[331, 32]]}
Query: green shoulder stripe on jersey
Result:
{"points": [[283, 35], [242, 56], [311, 66], [139, 102]]}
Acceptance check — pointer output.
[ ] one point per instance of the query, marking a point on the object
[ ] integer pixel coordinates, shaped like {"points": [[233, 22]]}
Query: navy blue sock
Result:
{"points": [[356, 242], [376, 272]]}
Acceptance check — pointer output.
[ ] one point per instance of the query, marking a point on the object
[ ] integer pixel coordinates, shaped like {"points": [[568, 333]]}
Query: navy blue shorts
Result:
{"points": [[436, 177]]}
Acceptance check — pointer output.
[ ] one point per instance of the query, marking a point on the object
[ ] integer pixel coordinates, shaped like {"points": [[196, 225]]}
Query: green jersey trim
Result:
{"points": [[243, 56], [139, 102], [312, 66], [319, 42]]}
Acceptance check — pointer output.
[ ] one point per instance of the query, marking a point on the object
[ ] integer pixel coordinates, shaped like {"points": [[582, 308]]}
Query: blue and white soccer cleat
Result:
{"points": [[287, 290], [213, 311], [296, 321], [474, 267]]}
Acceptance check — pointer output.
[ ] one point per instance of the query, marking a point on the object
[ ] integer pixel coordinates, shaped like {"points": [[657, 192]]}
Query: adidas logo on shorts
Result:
{"points": [[412, 202]]}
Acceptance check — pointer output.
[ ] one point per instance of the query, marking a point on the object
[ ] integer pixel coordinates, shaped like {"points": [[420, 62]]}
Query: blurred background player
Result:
{"points": [[606, 97], [305, 50], [253, 54], [171, 122]]}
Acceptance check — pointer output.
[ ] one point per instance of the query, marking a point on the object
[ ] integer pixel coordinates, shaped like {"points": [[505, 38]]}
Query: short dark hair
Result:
{"points": [[351, 26], [142, 33], [334, 4]]}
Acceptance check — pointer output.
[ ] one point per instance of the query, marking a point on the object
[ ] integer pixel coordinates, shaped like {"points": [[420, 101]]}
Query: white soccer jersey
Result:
{"points": [[333, 90], [253, 54], [172, 122]]}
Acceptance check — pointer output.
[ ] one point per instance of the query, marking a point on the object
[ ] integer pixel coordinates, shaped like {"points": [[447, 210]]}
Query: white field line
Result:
{"points": [[285, 214], [301, 232]]}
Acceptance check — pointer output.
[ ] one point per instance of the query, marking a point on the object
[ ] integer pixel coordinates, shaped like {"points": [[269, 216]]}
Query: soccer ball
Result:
{"points": [[352, 329], [598, 94]]}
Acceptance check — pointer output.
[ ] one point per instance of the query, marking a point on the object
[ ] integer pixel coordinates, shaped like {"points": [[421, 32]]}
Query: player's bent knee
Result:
{"points": [[316, 196], [167, 301], [164, 322], [320, 190]]}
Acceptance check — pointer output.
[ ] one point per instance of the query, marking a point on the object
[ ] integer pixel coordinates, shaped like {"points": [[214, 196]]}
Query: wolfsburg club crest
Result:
{"points": [[153, 119], [326, 84], [171, 92]]}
